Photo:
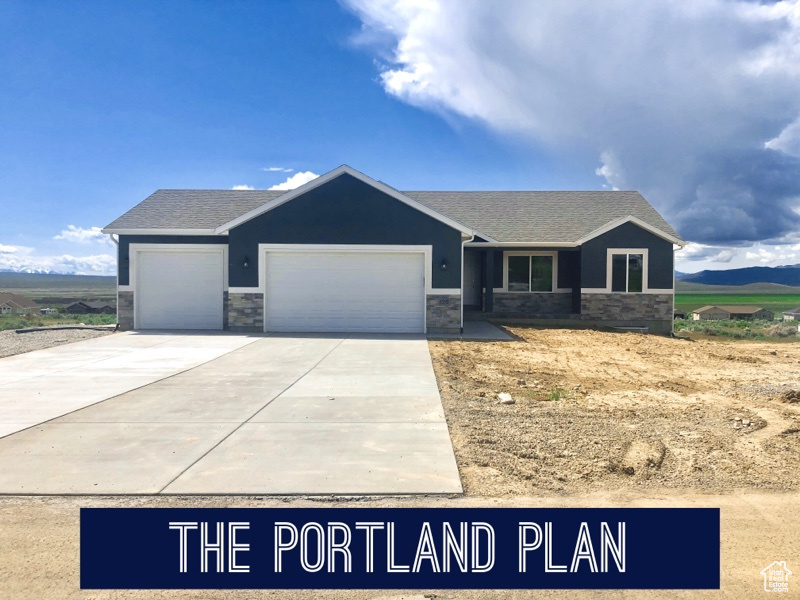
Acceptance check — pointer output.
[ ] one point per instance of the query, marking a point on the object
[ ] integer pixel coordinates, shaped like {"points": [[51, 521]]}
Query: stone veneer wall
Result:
{"points": [[443, 313], [652, 310], [125, 310], [245, 312], [531, 304]]}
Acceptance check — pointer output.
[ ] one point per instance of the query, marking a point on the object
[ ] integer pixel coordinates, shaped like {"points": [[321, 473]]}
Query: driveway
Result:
{"points": [[275, 415]]}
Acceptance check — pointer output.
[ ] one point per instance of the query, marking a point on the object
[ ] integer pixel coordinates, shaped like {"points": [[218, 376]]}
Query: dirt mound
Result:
{"points": [[595, 410]]}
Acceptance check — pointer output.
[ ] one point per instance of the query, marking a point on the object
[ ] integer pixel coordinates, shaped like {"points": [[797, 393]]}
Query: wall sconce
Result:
{"points": [[246, 263], [443, 266]]}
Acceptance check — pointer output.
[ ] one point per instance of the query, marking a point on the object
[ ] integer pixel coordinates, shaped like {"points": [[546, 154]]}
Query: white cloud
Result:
{"points": [[97, 264], [8, 249], [696, 104], [778, 255], [277, 169], [242, 187], [82, 235], [700, 252], [295, 181]]}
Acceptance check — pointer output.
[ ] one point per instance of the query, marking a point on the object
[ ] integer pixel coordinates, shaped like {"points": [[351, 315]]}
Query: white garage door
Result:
{"points": [[179, 290], [345, 292]]}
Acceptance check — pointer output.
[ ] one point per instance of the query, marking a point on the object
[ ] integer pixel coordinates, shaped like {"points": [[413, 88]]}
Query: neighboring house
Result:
{"points": [[792, 315], [347, 253], [721, 313], [84, 308], [14, 304], [48, 311]]}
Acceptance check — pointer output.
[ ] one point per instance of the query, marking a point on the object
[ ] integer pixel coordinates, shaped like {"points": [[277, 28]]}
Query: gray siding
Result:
{"points": [[345, 211], [627, 235]]}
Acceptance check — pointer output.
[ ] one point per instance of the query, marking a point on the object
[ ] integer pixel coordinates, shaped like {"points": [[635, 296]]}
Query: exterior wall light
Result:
{"points": [[443, 266], [246, 263]]}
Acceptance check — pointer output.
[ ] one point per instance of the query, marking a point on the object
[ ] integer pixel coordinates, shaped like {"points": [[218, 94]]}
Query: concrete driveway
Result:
{"points": [[275, 415]]}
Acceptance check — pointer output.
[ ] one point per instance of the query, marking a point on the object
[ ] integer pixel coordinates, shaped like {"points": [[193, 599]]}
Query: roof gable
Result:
{"points": [[17, 300], [330, 176]]}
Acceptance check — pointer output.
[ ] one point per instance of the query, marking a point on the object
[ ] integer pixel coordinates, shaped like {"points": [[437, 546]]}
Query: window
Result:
{"points": [[627, 273], [530, 273]]}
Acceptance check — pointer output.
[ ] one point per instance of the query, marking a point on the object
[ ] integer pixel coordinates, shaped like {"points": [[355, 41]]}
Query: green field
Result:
{"points": [[777, 303]]}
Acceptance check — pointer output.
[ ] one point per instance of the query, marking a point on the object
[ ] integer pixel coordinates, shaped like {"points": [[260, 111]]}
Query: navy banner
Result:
{"points": [[412, 548]]}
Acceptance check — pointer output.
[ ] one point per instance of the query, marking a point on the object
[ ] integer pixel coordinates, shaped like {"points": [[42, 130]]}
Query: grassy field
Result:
{"points": [[774, 297], [25, 321]]}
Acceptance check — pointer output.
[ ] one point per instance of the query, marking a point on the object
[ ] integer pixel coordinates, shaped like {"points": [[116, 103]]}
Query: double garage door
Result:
{"points": [[305, 291]]}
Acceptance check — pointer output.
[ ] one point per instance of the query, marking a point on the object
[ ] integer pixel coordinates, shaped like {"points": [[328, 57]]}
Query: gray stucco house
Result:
{"points": [[347, 253]]}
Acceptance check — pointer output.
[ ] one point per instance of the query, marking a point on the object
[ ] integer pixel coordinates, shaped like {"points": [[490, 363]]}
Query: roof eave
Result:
{"points": [[163, 231], [636, 221]]}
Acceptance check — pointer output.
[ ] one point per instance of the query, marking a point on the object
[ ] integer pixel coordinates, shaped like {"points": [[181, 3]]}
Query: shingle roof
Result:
{"points": [[192, 209], [541, 216], [794, 311], [734, 310], [20, 301], [546, 217]]}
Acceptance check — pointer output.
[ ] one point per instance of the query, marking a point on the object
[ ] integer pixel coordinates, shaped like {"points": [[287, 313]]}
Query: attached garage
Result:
{"points": [[334, 291], [180, 287]]}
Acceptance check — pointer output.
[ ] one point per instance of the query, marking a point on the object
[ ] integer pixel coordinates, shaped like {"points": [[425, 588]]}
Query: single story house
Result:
{"points": [[347, 253], [83, 307], [792, 315], [14, 304], [722, 313]]}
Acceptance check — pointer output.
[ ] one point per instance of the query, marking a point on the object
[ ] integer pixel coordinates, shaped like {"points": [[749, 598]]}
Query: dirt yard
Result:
{"points": [[600, 411]]}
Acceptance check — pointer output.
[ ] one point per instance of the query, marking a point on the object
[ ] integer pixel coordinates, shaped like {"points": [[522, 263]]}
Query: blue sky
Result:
{"points": [[102, 103]]}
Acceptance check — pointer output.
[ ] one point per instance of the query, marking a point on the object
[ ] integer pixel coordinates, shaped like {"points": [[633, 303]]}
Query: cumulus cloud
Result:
{"points": [[277, 169], [295, 181], [696, 104], [700, 252], [4, 249], [764, 256], [81, 235], [243, 187], [24, 259]]}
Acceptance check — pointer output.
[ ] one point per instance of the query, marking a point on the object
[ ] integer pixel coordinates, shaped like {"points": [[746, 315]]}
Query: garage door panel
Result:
{"points": [[179, 290], [341, 292]]}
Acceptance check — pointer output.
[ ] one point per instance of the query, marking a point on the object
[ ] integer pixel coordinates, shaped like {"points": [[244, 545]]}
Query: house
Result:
{"points": [[48, 311], [85, 307], [347, 253], [721, 313], [14, 304], [792, 315]]}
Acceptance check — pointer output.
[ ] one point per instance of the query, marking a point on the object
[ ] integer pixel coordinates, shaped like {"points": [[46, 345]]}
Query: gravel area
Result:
{"points": [[12, 342]]}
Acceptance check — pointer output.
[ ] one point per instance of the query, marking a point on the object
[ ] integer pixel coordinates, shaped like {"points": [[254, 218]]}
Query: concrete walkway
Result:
{"points": [[45, 384], [281, 415]]}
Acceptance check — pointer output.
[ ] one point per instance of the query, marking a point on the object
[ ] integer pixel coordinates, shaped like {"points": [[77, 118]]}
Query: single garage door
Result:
{"points": [[345, 292], [179, 290]]}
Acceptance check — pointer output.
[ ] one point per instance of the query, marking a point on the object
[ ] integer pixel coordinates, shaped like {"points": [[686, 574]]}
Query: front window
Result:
{"points": [[627, 273], [530, 273]]}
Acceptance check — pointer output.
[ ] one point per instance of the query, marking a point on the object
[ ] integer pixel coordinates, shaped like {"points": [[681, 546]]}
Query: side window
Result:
{"points": [[627, 273]]}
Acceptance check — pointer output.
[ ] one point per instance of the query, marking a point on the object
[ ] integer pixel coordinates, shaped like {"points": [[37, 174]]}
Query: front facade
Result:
{"points": [[346, 253], [792, 315]]}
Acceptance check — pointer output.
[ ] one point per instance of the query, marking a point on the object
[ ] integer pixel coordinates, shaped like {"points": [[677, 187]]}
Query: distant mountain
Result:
{"points": [[28, 270], [783, 275]]}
